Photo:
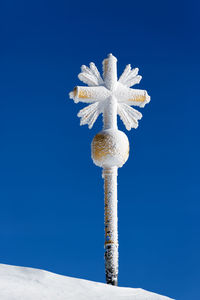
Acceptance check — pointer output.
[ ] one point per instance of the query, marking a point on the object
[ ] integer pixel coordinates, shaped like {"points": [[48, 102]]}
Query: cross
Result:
{"points": [[110, 147], [109, 96]]}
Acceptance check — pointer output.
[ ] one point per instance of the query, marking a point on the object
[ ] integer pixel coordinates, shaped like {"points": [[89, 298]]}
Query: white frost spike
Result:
{"points": [[90, 76], [71, 95], [133, 72], [89, 114], [130, 78], [128, 115], [96, 73], [133, 80], [125, 73], [88, 79]]}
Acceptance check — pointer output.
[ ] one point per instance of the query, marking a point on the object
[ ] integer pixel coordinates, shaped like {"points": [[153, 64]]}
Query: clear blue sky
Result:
{"points": [[51, 194]]}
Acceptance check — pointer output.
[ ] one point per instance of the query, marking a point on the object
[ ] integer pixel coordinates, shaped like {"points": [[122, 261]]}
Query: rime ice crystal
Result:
{"points": [[110, 147]]}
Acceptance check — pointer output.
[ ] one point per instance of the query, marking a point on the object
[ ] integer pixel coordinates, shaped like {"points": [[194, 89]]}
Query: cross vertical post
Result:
{"points": [[111, 225]]}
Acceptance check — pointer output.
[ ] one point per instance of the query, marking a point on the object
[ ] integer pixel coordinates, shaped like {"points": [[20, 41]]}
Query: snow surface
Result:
{"points": [[18, 283]]}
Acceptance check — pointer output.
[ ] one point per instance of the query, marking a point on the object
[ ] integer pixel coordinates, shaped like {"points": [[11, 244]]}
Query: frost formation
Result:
{"points": [[102, 91]]}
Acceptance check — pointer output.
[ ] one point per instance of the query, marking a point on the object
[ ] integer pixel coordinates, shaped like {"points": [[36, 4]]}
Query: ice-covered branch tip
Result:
{"points": [[109, 96]]}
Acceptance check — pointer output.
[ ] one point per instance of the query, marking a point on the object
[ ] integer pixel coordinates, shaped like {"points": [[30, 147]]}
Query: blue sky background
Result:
{"points": [[51, 194]]}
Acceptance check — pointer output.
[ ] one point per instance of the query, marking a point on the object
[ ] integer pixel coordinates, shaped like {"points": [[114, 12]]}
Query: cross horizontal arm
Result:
{"points": [[89, 94], [132, 96]]}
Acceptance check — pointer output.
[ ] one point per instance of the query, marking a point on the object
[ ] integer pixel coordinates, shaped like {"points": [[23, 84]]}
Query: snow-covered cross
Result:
{"points": [[109, 96], [110, 147]]}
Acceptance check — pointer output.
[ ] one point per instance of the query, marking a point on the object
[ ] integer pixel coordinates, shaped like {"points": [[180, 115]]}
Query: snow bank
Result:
{"points": [[17, 283]]}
